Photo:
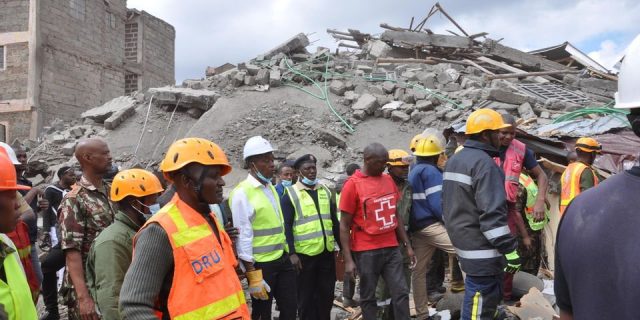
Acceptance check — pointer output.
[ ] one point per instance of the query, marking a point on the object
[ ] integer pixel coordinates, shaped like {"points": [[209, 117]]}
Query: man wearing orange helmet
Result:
{"points": [[475, 210], [135, 192], [183, 261], [84, 212], [579, 176], [15, 295]]}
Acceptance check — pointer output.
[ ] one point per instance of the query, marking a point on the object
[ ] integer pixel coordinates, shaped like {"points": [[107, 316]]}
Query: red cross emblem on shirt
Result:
{"points": [[387, 203]]}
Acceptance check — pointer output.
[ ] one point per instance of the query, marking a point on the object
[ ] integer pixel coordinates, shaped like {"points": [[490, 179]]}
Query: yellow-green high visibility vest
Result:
{"points": [[15, 294], [312, 232], [532, 195], [269, 241]]}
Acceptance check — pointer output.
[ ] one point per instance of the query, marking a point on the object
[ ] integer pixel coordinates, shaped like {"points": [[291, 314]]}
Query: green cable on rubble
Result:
{"points": [[602, 110]]}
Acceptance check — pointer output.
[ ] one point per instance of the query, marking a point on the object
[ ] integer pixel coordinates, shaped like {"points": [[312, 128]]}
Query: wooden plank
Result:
{"points": [[507, 67], [530, 74], [516, 56], [481, 68], [420, 39]]}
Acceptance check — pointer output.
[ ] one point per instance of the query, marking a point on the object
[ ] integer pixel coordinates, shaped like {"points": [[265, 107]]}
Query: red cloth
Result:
{"points": [[351, 203], [20, 238]]}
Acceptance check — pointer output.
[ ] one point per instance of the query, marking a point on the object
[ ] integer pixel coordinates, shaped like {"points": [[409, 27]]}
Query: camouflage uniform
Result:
{"points": [[84, 212]]}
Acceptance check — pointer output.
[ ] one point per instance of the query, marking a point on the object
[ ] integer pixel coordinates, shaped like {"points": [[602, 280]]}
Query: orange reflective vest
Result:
{"points": [[570, 182], [512, 167], [205, 284], [20, 238]]}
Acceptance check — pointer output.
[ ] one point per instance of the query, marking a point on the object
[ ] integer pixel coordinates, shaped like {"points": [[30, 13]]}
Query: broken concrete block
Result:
{"points": [[451, 87], [386, 113], [333, 139], [379, 49], [194, 84], [419, 94], [69, 148], [452, 115], [359, 114], [424, 105], [77, 132], [501, 95], [388, 87], [545, 115], [351, 96], [189, 98], [409, 75], [416, 116], [102, 113], [502, 106], [400, 116], [274, 78], [442, 111], [525, 111], [543, 122], [296, 44], [466, 103], [238, 79], [262, 78], [249, 80], [383, 99], [469, 83], [58, 139], [428, 79], [337, 87], [366, 102], [117, 118]]}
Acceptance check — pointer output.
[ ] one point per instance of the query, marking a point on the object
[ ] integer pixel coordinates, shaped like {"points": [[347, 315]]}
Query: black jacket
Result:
{"points": [[475, 209]]}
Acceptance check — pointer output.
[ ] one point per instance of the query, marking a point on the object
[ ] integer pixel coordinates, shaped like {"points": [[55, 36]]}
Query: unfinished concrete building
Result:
{"points": [[59, 58]]}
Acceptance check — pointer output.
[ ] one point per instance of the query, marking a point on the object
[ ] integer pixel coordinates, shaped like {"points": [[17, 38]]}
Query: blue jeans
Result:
{"points": [[481, 297]]}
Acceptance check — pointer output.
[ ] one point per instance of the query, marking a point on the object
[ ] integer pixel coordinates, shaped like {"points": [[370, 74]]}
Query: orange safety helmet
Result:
{"points": [[8, 178], [194, 150], [398, 157], [588, 145], [484, 119], [134, 182]]}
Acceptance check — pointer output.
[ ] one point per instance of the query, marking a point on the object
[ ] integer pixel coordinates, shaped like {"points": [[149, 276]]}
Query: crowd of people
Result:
{"points": [[136, 244]]}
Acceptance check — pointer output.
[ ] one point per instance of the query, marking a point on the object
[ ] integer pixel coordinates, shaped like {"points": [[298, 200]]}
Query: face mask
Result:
{"points": [[261, 177], [308, 181], [287, 183], [152, 208]]}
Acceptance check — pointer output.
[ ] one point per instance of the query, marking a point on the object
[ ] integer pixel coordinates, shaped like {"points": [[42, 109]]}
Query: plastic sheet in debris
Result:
{"points": [[583, 127], [443, 315]]}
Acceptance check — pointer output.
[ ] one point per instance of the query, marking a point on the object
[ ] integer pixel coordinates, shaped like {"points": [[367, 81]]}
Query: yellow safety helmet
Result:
{"points": [[134, 182], [194, 150], [399, 157], [588, 145], [484, 119], [414, 142], [429, 146]]}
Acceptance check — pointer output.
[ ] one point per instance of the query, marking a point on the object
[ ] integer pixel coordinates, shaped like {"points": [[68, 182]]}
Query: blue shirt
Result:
{"points": [[280, 189], [426, 182]]}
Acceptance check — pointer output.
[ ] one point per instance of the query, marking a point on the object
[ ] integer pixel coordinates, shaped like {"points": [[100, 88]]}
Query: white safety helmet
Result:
{"points": [[255, 146], [628, 95], [10, 152]]}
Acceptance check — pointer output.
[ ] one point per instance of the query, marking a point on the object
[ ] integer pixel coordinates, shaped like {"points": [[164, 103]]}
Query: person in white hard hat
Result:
{"points": [[261, 244], [596, 269]]}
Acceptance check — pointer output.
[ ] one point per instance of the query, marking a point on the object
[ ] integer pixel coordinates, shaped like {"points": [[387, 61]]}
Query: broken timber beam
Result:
{"points": [[507, 67], [528, 60], [342, 33], [530, 74], [341, 37], [388, 27], [420, 39], [481, 68]]}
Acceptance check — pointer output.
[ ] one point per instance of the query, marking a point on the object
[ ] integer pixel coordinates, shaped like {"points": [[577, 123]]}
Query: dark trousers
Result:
{"points": [[316, 283], [349, 287], [507, 285], [52, 262], [481, 297], [435, 276], [281, 277], [385, 262]]}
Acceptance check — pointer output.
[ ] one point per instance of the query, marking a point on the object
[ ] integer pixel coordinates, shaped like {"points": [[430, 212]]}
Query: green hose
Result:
{"points": [[601, 110]]}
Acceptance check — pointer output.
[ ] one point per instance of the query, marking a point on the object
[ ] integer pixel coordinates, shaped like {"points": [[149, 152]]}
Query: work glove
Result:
{"points": [[258, 288], [513, 262]]}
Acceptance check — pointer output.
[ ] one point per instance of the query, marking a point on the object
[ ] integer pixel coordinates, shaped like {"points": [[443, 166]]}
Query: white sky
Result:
{"points": [[213, 32]]}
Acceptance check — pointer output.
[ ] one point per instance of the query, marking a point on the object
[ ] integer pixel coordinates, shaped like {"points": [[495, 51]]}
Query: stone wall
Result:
{"points": [[14, 15], [131, 41], [82, 53], [13, 79], [18, 124], [158, 54]]}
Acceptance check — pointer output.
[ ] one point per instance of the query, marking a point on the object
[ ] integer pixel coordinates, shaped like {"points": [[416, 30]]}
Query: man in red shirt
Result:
{"points": [[369, 229]]}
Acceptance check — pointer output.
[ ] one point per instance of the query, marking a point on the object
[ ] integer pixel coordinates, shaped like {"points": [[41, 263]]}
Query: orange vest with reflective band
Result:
{"points": [[570, 183], [512, 167], [205, 284]]}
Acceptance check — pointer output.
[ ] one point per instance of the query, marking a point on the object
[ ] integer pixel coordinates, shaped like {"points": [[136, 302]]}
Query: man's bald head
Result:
{"points": [[375, 159], [93, 155]]}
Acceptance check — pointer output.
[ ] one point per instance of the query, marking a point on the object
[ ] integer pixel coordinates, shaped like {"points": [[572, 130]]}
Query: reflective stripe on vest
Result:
{"points": [[478, 254], [570, 182], [269, 241], [15, 294], [312, 232], [201, 261], [512, 167]]}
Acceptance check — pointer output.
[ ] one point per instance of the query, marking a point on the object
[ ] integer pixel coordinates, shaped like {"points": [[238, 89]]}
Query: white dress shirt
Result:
{"points": [[244, 214]]}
